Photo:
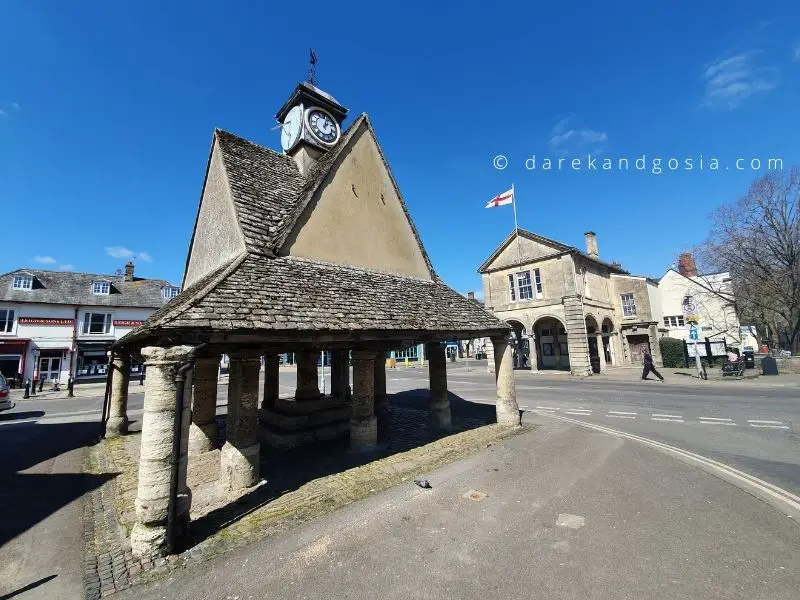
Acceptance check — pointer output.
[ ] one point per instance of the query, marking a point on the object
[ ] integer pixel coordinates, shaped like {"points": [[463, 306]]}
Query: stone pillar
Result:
{"points": [[203, 431], [239, 468], [120, 373], [271, 381], [336, 373], [489, 347], [379, 379], [655, 347], [363, 424], [439, 407], [149, 534], [307, 376], [534, 358], [506, 407], [579, 363], [601, 351]]}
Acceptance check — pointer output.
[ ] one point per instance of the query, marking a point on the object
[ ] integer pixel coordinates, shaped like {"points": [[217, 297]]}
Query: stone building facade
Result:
{"points": [[565, 305]]}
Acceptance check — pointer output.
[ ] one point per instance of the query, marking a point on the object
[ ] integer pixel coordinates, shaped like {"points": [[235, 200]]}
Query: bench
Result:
{"points": [[735, 368]]}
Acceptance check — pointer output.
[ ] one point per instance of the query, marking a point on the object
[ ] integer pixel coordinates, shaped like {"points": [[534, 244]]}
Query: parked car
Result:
{"points": [[5, 395]]}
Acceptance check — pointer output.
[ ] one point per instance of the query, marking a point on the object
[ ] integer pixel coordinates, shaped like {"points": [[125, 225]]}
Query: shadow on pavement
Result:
{"points": [[286, 471], [29, 490], [17, 416], [28, 587]]}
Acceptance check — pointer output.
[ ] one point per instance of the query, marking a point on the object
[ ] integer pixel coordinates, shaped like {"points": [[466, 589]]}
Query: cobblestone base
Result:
{"points": [[299, 486]]}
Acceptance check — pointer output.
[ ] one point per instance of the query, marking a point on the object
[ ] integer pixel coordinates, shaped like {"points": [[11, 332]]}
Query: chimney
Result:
{"points": [[470, 295], [129, 271], [591, 244], [686, 266]]}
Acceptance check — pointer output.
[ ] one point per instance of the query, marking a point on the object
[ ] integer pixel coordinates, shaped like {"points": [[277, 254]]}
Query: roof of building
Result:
{"points": [[557, 246], [67, 287], [261, 291]]}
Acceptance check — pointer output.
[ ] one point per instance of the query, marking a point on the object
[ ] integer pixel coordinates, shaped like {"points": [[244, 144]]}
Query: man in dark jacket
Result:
{"points": [[647, 359]]}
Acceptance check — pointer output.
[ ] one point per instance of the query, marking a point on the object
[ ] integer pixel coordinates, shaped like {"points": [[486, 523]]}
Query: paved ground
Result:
{"points": [[749, 425]]}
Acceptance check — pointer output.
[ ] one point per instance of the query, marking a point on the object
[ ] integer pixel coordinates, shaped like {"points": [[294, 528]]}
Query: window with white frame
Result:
{"points": [[674, 321], [22, 282], [101, 288], [628, 305], [410, 352], [520, 286], [169, 292], [6, 320], [96, 323]]}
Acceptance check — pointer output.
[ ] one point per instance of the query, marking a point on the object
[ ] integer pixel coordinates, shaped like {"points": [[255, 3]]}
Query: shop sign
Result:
{"points": [[127, 323], [45, 321]]}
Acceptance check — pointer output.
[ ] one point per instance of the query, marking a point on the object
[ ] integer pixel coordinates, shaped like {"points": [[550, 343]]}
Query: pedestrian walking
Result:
{"points": [[649, 367]]}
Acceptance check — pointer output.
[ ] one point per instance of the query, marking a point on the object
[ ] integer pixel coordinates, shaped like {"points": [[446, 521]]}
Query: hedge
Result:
{"points": [[672, 352]]}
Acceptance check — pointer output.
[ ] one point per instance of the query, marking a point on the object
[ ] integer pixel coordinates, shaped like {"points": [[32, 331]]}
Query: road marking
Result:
{"points": [[547, 408], [715, 419], [667, 416], [770, 426], [620, 416], [585, 413], [621, 412], [666, 419], [756, 486], [765, 422]]}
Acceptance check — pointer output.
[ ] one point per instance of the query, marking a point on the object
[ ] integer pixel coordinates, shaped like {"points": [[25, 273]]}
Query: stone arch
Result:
{"points": [[591, 324], [610, 340], [550, 344], [607, 325], [520, 344]]}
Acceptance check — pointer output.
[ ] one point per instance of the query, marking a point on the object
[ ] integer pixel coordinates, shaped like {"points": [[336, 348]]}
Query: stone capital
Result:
{"points": [[158, 355]]}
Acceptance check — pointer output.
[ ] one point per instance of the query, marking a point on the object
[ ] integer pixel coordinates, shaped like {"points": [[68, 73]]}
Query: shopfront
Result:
{"points": [[92, 361], [12, 357], [51, 364]]}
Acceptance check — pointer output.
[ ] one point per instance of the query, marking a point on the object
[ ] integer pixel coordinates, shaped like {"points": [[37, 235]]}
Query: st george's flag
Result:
{"points": [[500, 200]]}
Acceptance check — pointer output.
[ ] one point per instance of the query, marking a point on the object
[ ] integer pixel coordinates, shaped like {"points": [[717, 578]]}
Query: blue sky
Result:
{"points": [[107, 111]]}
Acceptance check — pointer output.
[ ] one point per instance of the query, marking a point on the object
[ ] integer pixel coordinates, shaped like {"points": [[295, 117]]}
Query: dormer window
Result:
{"points": [[169, 292], [22, 282], [101, 288]]}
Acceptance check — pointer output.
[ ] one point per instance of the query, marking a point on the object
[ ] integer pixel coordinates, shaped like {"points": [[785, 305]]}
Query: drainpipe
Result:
{"points": [[107, 397], [180, 381]]}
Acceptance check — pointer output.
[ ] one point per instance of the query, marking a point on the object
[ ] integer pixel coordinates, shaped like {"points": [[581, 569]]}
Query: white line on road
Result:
{"points": [[667, 416], [765, 422], [621, 416], [547, 408], [759, 487], [668, 420], [585, 413], [770, 426], [715, 419], [621, 412]]}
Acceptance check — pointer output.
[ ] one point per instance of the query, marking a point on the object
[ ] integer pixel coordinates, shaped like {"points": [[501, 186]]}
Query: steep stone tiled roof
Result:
{"points": [[66, 287], [289, 293]]}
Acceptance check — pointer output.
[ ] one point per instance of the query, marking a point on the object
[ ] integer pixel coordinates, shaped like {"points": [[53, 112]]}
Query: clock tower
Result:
{"points": [[311, 123]]}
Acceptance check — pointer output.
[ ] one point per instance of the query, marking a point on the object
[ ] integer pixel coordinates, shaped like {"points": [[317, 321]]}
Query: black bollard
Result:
{"points": [[70, 387], [141, 377], [27, 393], [33, 387], [41, 384]]}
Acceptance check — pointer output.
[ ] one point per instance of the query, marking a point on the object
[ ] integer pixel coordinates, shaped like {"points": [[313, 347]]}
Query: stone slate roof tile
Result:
{"points": [[67, 287], [289, 293]]}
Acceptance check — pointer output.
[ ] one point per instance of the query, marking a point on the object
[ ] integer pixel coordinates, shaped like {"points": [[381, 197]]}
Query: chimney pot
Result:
{"points": [[470, 295], [129, 271], [686, 265], [591, 244]]}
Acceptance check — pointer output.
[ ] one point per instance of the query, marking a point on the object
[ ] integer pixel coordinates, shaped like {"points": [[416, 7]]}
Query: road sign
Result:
{"points": [[693, 335], [689, 307]]}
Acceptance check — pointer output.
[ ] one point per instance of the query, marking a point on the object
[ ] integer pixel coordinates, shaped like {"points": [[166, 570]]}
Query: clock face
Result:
{"points": [[290, 130], [323, 126]]}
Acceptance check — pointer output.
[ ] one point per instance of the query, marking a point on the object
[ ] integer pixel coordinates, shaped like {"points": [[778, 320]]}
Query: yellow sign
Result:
{"points": [[694, 319]]}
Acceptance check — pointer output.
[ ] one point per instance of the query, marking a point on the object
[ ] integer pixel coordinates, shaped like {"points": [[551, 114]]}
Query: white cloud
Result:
{"points": [[45, 260], [565, 139], [123, 252], [731, 81], [66, 268], [15, 105]]}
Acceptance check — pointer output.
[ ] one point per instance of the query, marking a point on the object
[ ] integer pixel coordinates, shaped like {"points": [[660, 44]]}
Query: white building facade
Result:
{"points": [[55, 325]]}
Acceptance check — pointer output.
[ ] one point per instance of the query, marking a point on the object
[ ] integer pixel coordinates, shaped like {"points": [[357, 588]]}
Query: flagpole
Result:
{"points": [[516, 227]]}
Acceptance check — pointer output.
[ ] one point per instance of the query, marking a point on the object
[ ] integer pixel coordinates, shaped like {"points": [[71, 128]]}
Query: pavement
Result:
{"points": [[605, 456]]}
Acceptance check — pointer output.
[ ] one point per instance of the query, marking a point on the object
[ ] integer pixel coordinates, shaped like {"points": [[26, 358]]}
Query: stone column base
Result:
{"points": [[202, 437], [116, 426], [363, 433], [439, 414], [148, 541], [239, 468]]}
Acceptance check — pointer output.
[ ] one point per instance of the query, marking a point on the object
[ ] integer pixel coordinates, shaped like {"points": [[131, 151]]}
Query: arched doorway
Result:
{"points": [[550, 348], [608, 341], [592, 331], [520, 345]]}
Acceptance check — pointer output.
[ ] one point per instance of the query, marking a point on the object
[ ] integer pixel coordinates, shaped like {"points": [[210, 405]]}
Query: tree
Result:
{"points": [[757, 240]]}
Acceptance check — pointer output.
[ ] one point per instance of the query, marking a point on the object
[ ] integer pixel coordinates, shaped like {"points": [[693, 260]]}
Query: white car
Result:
{"points": [[5, 395]]}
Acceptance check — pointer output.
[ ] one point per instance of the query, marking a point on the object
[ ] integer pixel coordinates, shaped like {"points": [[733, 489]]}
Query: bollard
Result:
{"points": [[141, 377], [33, 387], [41, 384], [70, 387], [27, 393]]}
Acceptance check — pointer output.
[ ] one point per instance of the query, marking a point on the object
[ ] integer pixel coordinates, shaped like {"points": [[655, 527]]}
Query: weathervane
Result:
{"points": [[312, 69]]}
